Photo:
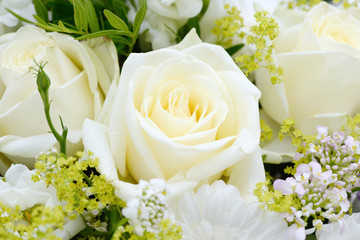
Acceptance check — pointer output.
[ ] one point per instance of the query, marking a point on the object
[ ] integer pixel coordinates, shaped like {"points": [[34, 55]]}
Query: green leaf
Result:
{"points": [[19, 17], [233, 49], [40, 20], [139, 16], [355, 189], [190, 24], [41, 10], [80, 17], [115, 21], [91, 16], [105, 33], [121, 10], [311, 237], [193, 22]]}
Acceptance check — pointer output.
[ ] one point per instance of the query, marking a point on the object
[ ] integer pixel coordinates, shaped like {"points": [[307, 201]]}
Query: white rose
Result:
{"points": [[80, 75], [321, 59], [183, 114], [18, 189], [163, 15]]}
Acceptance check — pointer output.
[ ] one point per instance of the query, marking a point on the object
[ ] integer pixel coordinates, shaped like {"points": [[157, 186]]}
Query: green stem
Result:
{"points": [[60, 138]]}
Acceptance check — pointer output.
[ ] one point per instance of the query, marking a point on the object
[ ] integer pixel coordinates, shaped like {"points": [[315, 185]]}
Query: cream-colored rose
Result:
{"points": [[164, 18], [80, 73], [321, 59], [18, 189], [184, 114]]}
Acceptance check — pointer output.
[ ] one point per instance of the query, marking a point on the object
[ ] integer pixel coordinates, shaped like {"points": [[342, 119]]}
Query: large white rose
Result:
{"points": [[18, 189], [164, 18], [321, 59], [80, 75], [183, 114]]}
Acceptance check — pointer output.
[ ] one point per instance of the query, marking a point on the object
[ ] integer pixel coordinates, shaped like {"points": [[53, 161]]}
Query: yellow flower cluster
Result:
{"points": [[76, 181], [37, 222], [261, 37], [229, 27]]}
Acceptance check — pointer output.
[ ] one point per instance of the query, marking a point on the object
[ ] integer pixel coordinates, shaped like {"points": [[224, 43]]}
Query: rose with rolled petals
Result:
{"points": [[321, 59], [80, 74], [184, 114]]}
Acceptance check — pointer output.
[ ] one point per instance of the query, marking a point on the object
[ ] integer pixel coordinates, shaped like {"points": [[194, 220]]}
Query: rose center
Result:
{"points": [[24, 56], [335, 29], [178, 104]]}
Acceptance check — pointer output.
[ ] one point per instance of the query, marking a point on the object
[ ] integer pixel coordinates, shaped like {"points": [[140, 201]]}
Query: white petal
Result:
{"points": [[95, 139], [247, 173]]}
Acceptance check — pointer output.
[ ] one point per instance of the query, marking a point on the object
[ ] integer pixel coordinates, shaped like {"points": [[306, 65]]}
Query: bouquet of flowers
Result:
{"points": [[179, 119]]}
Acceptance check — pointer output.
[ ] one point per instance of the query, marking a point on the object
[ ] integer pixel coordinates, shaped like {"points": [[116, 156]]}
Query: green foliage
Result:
{"points": [[86, 19]]}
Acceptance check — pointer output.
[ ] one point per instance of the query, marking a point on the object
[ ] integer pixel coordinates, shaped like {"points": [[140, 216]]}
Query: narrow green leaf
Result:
{"points": [[80, 17], [40, 20], [121, 9], [19, 17], [91, 15], [62, 26], [41, 10], [121, 40], [233, 49], [115, 21], [355, 189], [139, 17], [105, 33], [48, 28]]}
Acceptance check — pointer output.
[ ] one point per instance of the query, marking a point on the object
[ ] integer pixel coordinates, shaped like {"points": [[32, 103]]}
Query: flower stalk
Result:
{"points": [[43, 82]]}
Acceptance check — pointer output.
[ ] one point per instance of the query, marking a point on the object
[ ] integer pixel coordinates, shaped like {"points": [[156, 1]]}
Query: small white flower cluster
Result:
{"points": [[147, 210], [322, 185]]}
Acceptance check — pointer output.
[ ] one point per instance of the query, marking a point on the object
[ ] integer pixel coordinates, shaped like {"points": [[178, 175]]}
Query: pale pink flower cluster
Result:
{"points": [[322, 185]]}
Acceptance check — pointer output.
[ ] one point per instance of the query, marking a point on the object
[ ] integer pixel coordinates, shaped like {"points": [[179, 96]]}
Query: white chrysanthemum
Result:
{"points": [[218, 212], [348, 228]]}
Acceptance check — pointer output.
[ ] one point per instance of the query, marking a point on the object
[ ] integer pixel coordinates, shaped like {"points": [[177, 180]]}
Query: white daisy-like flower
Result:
{"points": [[347, 228], [219, 212]]}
